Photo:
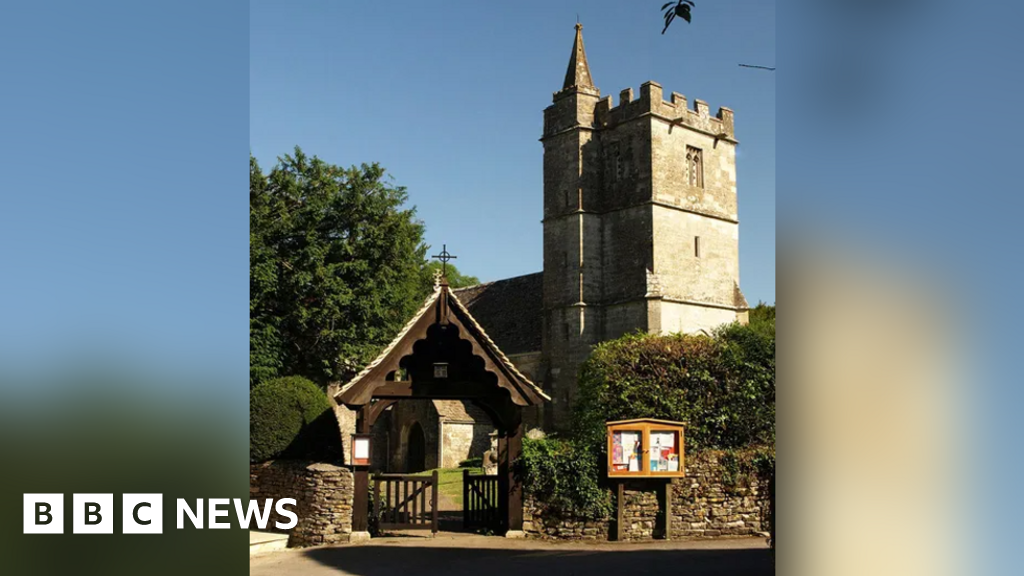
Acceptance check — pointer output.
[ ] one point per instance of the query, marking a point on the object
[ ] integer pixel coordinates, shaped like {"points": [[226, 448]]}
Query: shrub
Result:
{"points": [[564, 475], [291, 417], [477, 462]]}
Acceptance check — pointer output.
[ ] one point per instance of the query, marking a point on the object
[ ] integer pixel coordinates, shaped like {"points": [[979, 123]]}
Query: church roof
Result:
{"points": [[461, 411], [578, 73], [442, 304], [510, 310]]}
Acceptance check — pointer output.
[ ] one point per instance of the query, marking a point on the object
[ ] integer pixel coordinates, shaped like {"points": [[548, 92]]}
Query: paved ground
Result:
{"points": [[457, 554]]}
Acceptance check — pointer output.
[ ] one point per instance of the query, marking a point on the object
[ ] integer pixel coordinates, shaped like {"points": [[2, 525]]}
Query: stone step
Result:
{"points": [[264, 542]]}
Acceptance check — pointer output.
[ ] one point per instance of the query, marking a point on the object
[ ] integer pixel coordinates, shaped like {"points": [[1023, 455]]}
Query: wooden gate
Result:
{"points": [[400, 501], [480, 501]]}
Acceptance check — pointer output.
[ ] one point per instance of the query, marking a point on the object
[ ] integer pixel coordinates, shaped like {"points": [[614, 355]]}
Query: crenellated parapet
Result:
{"points": [[676, 110]]}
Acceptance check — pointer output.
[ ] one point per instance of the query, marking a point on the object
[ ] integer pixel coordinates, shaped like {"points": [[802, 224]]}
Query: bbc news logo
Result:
{"points": [[143, 513]]}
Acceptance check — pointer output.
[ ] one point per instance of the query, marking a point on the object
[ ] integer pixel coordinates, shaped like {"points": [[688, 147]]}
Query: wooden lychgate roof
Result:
{"points": [[442, 330]]}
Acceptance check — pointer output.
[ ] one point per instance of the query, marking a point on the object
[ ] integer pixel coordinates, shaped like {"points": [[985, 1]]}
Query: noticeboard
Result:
{"points": [[646, 448]]}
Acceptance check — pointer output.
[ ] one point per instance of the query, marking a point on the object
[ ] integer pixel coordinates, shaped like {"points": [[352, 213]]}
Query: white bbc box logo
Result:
{"points": [[142, 514], [43, 514], [92, 513]]}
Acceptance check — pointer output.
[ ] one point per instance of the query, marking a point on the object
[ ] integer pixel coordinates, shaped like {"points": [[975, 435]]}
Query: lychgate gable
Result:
{"points": [[441, 353]]}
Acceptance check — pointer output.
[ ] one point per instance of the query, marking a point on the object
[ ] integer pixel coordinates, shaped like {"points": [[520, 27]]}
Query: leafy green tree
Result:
{"points": [[456, 279], [763, 316], [336, 266], [680, 9]]}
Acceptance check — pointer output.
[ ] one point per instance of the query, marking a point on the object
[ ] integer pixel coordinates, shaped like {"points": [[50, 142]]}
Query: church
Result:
{"points": [[641, 232]]}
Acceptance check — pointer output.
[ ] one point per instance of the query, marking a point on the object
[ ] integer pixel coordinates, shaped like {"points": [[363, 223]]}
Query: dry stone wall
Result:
{"points": [[323, 494], [709, 502]]}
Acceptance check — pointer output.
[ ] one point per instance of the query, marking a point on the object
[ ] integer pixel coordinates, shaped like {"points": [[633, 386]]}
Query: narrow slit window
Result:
{"points": [[695, 166], [615, 165], [696, 246], [565, 330]]}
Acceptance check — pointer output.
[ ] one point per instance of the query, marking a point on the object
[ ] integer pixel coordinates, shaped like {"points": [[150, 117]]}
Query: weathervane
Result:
{"points": [[444, 257]]}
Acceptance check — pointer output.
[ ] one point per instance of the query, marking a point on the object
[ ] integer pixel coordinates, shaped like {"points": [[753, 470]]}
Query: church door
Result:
{"points": [[416, 456]]}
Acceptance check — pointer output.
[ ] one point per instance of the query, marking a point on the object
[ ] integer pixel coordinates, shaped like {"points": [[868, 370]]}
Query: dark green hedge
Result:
{"points": [[723, 386], [291, 418]]}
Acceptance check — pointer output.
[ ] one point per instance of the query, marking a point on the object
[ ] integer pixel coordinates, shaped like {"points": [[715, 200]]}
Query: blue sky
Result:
{"points": [[449, 98], [123, 225]]}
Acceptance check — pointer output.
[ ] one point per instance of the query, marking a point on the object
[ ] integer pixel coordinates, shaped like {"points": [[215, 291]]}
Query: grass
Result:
{"points": [[449, 482]]}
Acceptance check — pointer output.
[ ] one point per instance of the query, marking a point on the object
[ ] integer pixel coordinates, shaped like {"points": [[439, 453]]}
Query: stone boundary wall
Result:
{"points": [[323, 494], [706, 503]]}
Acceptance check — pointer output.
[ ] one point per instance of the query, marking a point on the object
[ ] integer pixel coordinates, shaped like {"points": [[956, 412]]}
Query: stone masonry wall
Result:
{"points": [[706, 503], [323, 494]]}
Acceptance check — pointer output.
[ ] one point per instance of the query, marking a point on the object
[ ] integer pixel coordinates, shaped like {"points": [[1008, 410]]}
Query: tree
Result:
{"points": [[455, 278], [680, 9], [336, 267], [763, 315]]}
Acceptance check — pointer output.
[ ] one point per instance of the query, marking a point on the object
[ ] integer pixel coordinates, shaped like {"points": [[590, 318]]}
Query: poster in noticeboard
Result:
{"points": [[626, 451], [664, 453]]}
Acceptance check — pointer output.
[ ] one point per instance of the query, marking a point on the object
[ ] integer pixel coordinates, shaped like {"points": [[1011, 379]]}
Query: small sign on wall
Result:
{"points": [[361, 449]]}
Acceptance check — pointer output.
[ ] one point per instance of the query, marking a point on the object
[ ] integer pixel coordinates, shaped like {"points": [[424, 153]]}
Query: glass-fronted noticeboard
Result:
{"points": [[645, 447]]}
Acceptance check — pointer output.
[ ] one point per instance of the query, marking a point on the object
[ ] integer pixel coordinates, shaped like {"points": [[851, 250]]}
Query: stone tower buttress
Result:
{"points": [[572, 251]]}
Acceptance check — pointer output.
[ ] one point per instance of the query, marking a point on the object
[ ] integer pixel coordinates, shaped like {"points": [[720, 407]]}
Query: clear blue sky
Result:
{"points": [[448, 96], [123, 225]]}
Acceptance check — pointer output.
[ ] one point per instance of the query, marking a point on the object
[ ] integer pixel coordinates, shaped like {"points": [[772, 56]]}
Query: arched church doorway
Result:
{"points": [[416, 453]]}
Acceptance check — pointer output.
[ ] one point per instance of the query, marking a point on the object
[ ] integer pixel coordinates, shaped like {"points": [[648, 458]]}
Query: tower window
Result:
{"points": [[614, 165], [695, 166], [696, 246], [565, 330], [568, 202]]}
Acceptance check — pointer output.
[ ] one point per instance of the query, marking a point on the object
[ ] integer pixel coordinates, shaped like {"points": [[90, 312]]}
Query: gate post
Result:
{"points": [[465, 498], [361, 489], [510, 446], [433, 503]]}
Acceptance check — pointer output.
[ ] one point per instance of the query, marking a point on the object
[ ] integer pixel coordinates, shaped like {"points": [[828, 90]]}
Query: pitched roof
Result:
{"points": [[394, 343], [461, 411], [511, 311], [447, 304]]}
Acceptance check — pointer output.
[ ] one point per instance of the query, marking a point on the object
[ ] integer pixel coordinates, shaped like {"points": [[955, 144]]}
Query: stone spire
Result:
{"points": [[578, 74]]}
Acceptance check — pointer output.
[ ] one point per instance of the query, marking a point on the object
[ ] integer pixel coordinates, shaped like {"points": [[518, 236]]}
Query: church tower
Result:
{"points": [[640, 222]]}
